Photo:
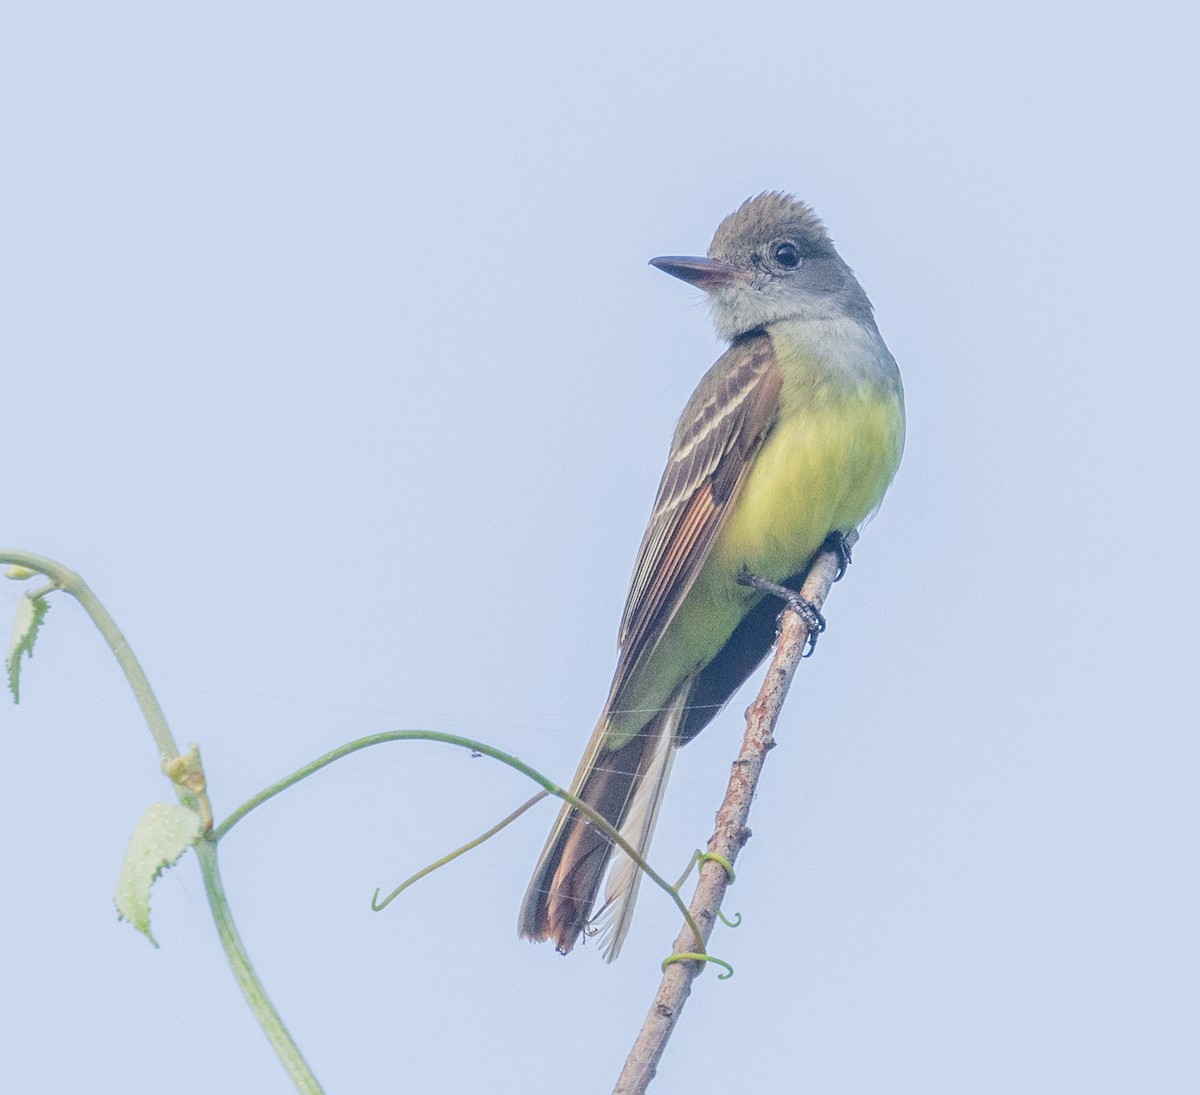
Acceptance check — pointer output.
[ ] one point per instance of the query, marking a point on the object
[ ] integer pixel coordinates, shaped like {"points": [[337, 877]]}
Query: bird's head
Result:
{"points": [[771, 260]]}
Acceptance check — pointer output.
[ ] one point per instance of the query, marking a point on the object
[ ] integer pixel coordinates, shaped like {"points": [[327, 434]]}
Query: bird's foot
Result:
{"points": [[813, 620], [837, 543]]}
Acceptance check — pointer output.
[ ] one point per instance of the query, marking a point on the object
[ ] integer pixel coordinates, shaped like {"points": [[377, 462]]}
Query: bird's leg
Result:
{"points": [[813, 620], [836, 542]]}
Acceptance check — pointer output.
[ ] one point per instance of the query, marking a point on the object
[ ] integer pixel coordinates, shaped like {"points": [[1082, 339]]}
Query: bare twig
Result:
{"points": [[731, 831]]}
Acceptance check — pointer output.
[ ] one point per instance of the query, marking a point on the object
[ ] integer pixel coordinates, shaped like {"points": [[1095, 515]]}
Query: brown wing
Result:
{"points": [[719, 432]]}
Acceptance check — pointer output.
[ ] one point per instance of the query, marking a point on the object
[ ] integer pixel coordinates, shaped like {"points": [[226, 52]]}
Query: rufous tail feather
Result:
{"points": [[625, 787]]}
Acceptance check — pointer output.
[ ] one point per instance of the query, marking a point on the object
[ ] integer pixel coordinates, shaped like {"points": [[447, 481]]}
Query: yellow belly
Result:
{"points": [[824, 468]]}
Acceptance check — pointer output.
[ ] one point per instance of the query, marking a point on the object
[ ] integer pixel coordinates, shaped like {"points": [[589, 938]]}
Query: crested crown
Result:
{"points": [[763, 216]]}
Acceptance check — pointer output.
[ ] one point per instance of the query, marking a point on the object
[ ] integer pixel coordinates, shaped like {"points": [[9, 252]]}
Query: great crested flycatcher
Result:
{"points": [[792, 437]]}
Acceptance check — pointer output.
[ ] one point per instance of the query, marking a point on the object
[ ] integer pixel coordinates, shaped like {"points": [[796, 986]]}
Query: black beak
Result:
{"points": [[700, 272]]}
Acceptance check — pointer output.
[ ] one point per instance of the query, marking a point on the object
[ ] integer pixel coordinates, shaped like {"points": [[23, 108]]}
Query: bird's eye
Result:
{"points": [[786, 255]]}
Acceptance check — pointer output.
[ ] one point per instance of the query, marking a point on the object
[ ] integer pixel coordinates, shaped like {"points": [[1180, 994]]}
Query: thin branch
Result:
{"points": [[731, 830], [474, 746], [71, 583], [471, 845], [252, 988], [187, 789]]}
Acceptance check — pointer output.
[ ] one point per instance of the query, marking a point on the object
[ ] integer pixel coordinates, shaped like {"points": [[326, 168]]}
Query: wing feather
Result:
{"points": [[718, 434]]}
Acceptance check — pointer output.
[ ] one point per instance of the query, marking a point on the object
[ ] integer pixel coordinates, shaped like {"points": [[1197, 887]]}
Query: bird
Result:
{"points": [[788, 443]]}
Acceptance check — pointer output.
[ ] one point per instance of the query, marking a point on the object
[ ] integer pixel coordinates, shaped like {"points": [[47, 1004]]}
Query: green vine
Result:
{"points": [[187, 774], [64, 579]]}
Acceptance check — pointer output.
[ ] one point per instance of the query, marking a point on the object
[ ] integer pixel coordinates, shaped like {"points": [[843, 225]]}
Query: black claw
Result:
{"points": [[816, 625], [836, 543], [814, 622]]}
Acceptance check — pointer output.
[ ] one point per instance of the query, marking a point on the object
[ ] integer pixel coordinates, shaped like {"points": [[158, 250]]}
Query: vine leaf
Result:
{"points": [[31, 611], [166, 830]]}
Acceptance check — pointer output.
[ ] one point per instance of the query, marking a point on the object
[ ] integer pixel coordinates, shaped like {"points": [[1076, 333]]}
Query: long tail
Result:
{"points": [[625, 786]]}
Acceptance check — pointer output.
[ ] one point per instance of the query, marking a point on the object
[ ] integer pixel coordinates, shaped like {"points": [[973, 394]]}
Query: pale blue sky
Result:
{"points": [[334, 363]]}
